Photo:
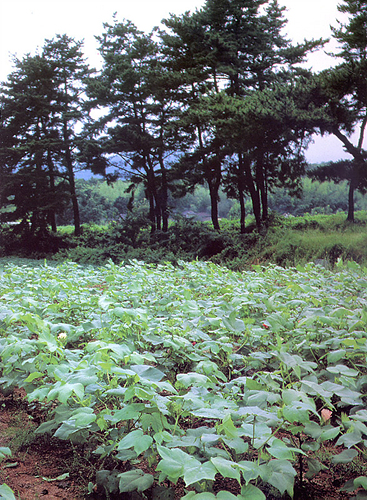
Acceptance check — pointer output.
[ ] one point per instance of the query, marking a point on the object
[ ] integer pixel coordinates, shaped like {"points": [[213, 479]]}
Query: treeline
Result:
{"points": [[101, 203], [218, 98]]}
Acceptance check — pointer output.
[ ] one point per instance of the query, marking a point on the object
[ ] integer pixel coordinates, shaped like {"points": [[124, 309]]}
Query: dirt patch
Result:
{"points": [[36, 462]]}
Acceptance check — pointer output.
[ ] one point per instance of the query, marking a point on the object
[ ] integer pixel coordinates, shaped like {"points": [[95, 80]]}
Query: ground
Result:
{"points": [[35, 462]]}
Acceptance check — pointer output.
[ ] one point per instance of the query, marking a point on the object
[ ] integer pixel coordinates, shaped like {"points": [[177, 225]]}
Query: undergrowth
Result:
{"points": [[285, 241]]}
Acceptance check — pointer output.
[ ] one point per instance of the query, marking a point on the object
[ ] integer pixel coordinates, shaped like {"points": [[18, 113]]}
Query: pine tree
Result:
{"points": [[41, 105], [136, 89], [70, 72], [236, 48], [28, 138], [346, 90]]}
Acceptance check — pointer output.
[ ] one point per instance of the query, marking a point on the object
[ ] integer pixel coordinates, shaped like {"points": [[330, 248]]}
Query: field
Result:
{"points": [[192, 381]]}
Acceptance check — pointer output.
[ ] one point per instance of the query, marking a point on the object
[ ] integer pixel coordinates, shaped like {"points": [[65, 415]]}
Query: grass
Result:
{"points": [[286, 241], [19, 434], [292, 247]]}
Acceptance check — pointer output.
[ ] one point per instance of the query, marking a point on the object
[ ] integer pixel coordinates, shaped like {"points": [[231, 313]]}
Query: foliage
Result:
{"points": [[217, 98], [137, 95], [100, 203], [240, 71], [93, 206], [199, 370], [41, 105], [342, 92], [286, 240], [29, 156]]}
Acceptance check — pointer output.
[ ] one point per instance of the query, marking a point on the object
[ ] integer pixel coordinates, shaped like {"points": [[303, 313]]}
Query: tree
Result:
{"points": [[342, 91], [241, 51], [70, 73], [137, 91], [28, 136], [284, 119], [41, 105]]}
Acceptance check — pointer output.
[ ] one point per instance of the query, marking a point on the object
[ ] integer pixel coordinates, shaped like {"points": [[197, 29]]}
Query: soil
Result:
{"points": [[37, 462]]}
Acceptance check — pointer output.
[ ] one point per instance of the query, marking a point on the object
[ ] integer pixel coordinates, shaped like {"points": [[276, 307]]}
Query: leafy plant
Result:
{"points": [[201, 371]]}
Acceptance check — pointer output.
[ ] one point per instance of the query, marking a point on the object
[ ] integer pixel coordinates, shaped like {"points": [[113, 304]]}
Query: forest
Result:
{"points": [[218, 98]]}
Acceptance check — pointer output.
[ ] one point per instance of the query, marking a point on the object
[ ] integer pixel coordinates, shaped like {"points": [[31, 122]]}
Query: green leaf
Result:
{"points": [[314, 467], [249, 470], [175, 463], [228, 428], [6, 493], [199, 496], [129, 412], [226, 468], [237, 444], [360, 482], [67, 430], [342, 370], [58, 478], [135, 480], [253, 385], [350, 439], [143, 444], [251, 492], [297, 412], [148, 372], [205, 471], [279, 449], [192, 379], [335, 356], [4, 452], [310, 446], [329, 433], [345, 457], [63, 392], [280, 474], [313, 429], [137, 440], [33, 376], [233, 324], [226, 495]]}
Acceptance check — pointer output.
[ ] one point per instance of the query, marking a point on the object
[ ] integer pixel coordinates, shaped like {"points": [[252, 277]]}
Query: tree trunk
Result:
{"points": [[360, 162], [350, 217], [264, 203], [241, 198], [164, 199], [152, 217], [71, 179], [255, 198], [213, 176], [52, 214], [261, 187], [243, 212], [153, 196], [213, 190], [75, 204]]}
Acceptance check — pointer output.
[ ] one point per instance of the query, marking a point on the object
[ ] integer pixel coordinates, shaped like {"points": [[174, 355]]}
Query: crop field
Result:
{"points": [[195, 374]]}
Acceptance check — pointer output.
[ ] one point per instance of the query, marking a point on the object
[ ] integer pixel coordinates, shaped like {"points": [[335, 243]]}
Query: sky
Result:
{"points": [[25, 24]]}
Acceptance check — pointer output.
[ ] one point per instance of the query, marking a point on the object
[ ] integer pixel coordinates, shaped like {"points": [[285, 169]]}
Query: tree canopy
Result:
{"points": [[342, 93], [217, 97]]}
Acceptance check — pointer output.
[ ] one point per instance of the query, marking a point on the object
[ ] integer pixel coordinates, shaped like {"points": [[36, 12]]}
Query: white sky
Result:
{"points": [[25, 24]]}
